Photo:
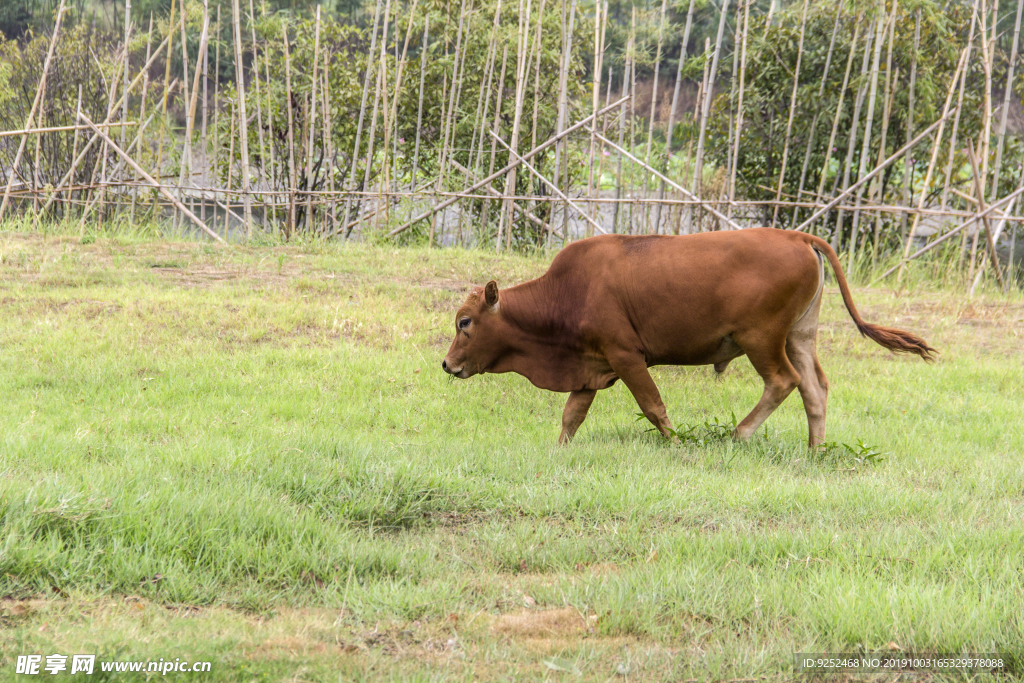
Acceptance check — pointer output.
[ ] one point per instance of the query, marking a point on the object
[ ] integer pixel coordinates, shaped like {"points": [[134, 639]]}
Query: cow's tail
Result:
{"points": [[891, 338]]}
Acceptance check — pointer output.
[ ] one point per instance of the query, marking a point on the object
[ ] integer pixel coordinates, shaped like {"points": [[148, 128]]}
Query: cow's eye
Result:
{"points": [[464, 323]]}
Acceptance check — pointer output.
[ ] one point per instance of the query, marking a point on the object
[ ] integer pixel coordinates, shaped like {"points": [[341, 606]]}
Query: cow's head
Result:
{"points": [[478, 338]]}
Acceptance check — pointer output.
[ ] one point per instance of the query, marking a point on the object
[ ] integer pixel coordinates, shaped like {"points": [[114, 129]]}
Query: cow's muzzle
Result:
{"points": [[460, 373]]}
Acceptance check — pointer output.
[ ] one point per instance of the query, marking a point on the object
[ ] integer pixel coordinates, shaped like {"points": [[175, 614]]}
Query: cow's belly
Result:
{"points": [[696, 352]]}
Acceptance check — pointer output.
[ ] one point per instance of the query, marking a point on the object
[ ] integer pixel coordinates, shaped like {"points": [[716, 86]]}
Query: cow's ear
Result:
{"points": [[491, 293]]}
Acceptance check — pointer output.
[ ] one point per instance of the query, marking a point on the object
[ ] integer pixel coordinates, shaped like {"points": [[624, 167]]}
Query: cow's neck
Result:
{"points": [[541, 322]]}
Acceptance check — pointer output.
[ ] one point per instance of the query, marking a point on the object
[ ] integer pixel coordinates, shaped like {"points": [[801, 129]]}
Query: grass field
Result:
{"points": [[251, 456]]}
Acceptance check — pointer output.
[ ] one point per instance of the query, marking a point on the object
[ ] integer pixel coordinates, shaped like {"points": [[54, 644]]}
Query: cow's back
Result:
{"points": [[680, 296]]}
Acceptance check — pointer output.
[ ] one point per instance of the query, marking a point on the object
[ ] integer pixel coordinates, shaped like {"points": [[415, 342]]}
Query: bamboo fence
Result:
{"points": [[373, 190]]}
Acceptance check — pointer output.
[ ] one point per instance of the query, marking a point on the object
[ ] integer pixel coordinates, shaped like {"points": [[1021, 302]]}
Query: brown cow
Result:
{"points": [[610, 307]]}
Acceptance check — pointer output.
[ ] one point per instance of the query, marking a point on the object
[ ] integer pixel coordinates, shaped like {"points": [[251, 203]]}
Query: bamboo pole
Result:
{"points": [[522, 52], [1006, 103], [362, 108], [243, 126], [497, 120], [709, 93], [959, 107], [738, 125], [310, 218], [259, 98], [889, 93], [596, 97], [483, 97], [167, 89], [190, 116], [813, 134], [206, 105], [449, 119], [292, 176], [379, 88], [32, 112], [908, 167], [792, 111], [865, 150], [419, 108], [854, 126], [675, 103], [823, 174]]}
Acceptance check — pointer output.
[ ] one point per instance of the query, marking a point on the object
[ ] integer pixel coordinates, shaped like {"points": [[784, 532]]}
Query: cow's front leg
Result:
{"points": [[632, 370], [575, 412]]}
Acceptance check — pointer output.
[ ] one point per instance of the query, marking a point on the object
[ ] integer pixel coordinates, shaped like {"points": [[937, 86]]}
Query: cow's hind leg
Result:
{"points": [[801, 348], [768, 356], [575, 412]]}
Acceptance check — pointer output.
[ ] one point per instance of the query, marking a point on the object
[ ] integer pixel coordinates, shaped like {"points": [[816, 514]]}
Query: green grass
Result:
{"points": [[250, 455]]}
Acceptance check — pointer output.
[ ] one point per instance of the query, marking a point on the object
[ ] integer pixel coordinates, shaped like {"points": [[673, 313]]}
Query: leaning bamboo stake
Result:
{"points": [[955, 231], [94, 138], [32, 112], [979, 193], [243, 126], [551, 185], [792, 112], [878, 169], [935, 154], [512, 164], [703, 204], [149, 179], [1006, 104]]}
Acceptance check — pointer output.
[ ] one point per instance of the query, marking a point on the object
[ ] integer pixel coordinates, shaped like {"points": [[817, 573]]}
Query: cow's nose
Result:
{"points": [[444, 365]]}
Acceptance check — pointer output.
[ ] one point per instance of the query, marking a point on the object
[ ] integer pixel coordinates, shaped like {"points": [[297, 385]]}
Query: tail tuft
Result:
{"points": [[897, 341]]}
